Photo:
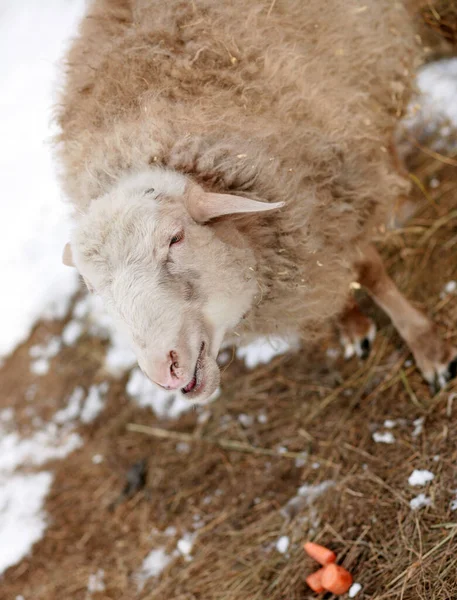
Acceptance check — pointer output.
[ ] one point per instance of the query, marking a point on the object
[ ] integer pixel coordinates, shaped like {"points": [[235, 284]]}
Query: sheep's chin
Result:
{"points": [[210, 377]]}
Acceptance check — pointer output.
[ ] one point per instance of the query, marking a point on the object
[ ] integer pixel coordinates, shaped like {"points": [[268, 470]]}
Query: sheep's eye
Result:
{"points": [[177, 238]]}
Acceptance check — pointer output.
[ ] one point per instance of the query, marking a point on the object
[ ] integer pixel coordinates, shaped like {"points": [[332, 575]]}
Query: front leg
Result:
{"points": [[434, 356]]}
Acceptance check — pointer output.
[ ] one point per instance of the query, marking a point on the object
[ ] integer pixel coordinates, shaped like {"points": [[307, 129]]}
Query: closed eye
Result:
{"points": [[177, 238]]}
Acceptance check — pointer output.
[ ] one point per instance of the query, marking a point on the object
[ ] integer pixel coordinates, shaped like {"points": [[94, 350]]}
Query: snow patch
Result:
{"points": [[166, 405], [49, 350], [420, 477], [386, 437], [153, 565], [51, 443], [354, 590], [71, 332], [6, 415], [438, 84], [282, 544], [73, 408], [418, 427], [185, 545], [183, 448], [95, 402], [40, 366], [96, 583], [22, 521], [87, 411], [420, 501], [119, 357], [306, 496], [450, 287], [33, 221], [246, 420], [264, 349]]}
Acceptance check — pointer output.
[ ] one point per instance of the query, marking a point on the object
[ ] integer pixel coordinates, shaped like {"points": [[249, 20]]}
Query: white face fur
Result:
{"points": [[173, 282]]}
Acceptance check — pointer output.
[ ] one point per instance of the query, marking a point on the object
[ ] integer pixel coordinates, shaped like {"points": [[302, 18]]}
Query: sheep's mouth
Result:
{"points": [[196, 383]]}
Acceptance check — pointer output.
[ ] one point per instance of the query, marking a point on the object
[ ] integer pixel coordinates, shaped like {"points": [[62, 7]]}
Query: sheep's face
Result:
{"points": [[173, 281]]}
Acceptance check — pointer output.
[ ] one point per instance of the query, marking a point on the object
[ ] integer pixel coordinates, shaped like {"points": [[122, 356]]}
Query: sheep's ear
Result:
{"points": [[67, 256], [204, 206]]}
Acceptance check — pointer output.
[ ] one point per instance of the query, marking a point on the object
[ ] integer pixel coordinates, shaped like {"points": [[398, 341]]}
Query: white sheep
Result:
{"points": [[229, 164]]}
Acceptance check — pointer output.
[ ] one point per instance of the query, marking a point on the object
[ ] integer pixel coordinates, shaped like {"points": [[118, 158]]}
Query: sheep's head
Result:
{"points": [[175, 280]]}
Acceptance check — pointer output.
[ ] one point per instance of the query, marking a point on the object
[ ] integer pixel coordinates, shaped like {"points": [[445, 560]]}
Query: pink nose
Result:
{"points": [[168, 374]]}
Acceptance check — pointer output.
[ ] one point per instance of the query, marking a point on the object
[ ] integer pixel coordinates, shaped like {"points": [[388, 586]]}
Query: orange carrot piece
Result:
{"points": [[336, 579], [315, 581], [321, 554]]}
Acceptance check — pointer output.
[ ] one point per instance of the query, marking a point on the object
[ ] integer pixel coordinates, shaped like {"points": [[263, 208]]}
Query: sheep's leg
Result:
{"points": [[357, 331], [436, 358]]}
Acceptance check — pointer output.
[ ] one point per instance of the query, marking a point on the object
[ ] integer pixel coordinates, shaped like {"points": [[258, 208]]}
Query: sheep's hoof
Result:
{"points": [[436, 359], [443, 375], [357, 336]]}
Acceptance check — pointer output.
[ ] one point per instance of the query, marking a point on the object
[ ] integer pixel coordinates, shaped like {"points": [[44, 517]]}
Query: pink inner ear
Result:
{"points": [[204, 206]]}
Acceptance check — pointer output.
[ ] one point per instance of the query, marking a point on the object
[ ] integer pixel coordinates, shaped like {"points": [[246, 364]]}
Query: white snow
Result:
{"points": [[386, 437], [166, 405], [301, 461], [22, 521], [97, 459], [306, 496], [183, 448], [153, 565], [185, 545], [95, 402], [96, 583], [87, 411], [73, 408], [450, 287], [246, 420], [49, 350], [39, 366], [50, 443], [438, 84], [420, 477], [71, 332], [264, 349], [33, 225], [418, 427], [282, 544], [7, 414], [354, 590], [119, 357], [420, 501]]}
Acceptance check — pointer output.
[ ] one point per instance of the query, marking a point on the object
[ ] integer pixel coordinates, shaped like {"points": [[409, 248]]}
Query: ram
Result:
{"points": [[230, 164]]}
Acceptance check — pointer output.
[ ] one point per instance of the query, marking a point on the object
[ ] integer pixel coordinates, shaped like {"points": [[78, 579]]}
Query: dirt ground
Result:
{"points": [[230, 482]]}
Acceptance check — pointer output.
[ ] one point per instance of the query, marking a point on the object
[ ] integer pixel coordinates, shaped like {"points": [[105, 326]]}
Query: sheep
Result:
{"points": [[230, 165]]}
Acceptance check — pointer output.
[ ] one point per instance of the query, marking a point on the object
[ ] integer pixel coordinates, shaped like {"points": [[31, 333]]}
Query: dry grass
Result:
{"points": [[234, 480], [441, 16]]}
